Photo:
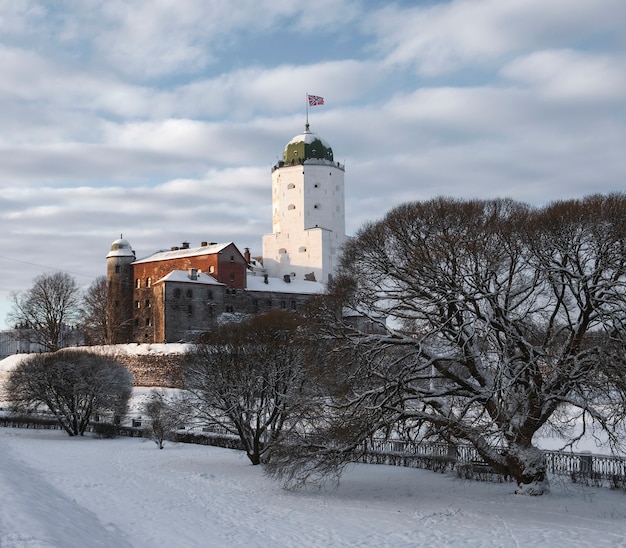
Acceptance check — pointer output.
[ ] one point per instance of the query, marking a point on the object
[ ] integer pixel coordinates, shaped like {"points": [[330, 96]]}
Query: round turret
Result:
{"points": [[306, 146], [120, 292]]}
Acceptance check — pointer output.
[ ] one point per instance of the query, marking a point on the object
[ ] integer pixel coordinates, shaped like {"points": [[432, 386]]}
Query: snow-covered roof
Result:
{"points": [[183, 276], [121, 248], [279, 285], [165, 255]]}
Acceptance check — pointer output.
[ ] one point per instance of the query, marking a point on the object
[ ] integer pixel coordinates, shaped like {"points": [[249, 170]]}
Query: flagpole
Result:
{"points": [[306, 101]]}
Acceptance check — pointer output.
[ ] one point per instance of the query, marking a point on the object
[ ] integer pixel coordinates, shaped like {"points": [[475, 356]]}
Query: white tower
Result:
{"points": [[308, 211]]}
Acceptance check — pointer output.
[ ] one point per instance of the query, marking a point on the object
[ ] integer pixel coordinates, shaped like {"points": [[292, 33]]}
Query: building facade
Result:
{"points": [[184, 292]]}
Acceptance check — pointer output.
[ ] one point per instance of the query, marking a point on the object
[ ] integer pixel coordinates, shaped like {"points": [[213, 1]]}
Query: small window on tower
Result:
{"points": [[291, 206], [137, 282], [137, 304], [117, 269], [290, 186], [148, 282]]}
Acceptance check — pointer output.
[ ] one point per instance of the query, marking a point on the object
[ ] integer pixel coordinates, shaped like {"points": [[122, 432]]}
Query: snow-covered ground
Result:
{"points": [[57, 491]]}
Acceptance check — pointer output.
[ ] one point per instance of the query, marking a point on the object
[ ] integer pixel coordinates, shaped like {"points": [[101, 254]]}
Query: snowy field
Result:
{"points": [[57, 491]]}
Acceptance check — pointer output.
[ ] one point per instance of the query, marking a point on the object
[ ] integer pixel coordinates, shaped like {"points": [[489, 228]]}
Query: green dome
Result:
{"points": [[306, 146]]}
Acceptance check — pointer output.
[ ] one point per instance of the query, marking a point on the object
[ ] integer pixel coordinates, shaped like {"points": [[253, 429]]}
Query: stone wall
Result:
{"points": [[163, 370]]}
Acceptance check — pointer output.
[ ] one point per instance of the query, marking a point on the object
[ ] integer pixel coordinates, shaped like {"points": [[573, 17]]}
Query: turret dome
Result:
{"points": [[306, 146], [121, 248]]}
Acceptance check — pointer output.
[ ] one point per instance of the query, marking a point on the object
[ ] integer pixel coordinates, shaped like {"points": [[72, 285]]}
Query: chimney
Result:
{"points": [[193, 274], [185, 245], [264, 278], [246, 254], [204, 244], [287, 278]]}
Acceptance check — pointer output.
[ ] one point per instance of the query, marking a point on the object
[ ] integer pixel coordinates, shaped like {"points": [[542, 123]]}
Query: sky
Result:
{"points": [[160, 119]]}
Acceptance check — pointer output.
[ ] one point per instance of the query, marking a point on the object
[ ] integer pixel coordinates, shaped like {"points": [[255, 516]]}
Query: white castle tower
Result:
{"points": [[308, 211]]}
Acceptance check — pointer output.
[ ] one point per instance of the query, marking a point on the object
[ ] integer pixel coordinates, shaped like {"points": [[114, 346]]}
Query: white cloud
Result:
{"points": [[567, 75], [444, 37]]}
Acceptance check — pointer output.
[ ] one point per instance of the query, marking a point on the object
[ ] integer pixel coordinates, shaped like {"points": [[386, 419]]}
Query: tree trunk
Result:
{"points": [[527, 465]]}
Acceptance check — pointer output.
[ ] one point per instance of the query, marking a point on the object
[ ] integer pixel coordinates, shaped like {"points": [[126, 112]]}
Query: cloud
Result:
{"points": [[445, 37]]}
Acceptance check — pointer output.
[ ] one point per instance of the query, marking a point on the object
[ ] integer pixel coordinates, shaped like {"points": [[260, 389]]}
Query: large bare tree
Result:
{"points": [[47, 309], [248, 379], [486, 321]]}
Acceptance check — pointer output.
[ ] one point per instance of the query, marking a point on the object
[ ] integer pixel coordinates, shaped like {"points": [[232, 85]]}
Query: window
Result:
{"points": [[137, 304], [290, 186], [293, 305], [136, 322], [317, 206], [137, 282], [211, 269], [302, 249], [148, 282], [283, 305], [282, 250], [291, 206], [232, 278], [189, 310], [117, 303], [177, 293], [232, 258], [189, 294], [209, 294], [147, 303], [117, 269], [148, 322]]}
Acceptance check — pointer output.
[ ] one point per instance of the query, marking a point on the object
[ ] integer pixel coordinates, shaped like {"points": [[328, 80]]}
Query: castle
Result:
{"points": [[181, 293]]}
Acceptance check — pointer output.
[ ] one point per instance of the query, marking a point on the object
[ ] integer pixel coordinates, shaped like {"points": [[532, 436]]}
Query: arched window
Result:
{"points": [[148, 282], [137, 282], [290, 186], [291, 206], [282, 250], [302, 249]]}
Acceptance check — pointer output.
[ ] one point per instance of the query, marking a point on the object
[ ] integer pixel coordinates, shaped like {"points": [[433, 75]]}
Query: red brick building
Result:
{"points": [[178, 295]]}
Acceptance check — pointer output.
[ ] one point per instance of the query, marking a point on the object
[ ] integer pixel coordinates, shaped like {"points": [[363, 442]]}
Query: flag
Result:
{"points": [[315, 100]]}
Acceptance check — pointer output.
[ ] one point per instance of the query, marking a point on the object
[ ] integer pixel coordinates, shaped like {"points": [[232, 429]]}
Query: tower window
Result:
{"points": [[290, 186], [232, 277], [117, 269], [147, 303], [148, 322], [148, 282], [137, 282], [137, 304], [291, 206]]}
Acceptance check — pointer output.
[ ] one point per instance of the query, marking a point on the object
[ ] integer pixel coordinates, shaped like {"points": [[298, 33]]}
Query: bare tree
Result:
{"points": [[46, 309], [93, 313], [72, 385], [487, 321], [165, 416], [248, 379]]}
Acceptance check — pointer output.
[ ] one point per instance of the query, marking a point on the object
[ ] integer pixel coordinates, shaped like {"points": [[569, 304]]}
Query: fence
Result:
{"points": [[587, 468]]}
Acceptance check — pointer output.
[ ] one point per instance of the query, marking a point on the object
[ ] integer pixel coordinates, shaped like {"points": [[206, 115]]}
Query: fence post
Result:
{"points": [[585, 465]]}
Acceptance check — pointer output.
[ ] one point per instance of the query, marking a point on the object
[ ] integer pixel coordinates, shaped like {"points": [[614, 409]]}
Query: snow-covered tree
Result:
{"points": [[165, 415], [73, 385], [248, 379], [487, 320]]}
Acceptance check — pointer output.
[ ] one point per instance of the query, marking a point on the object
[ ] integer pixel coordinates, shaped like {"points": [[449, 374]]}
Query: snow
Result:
{"points": [[76, 492]]}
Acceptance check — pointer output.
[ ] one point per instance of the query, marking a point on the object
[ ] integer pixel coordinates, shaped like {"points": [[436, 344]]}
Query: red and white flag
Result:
{"points": [[315, 100]]}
